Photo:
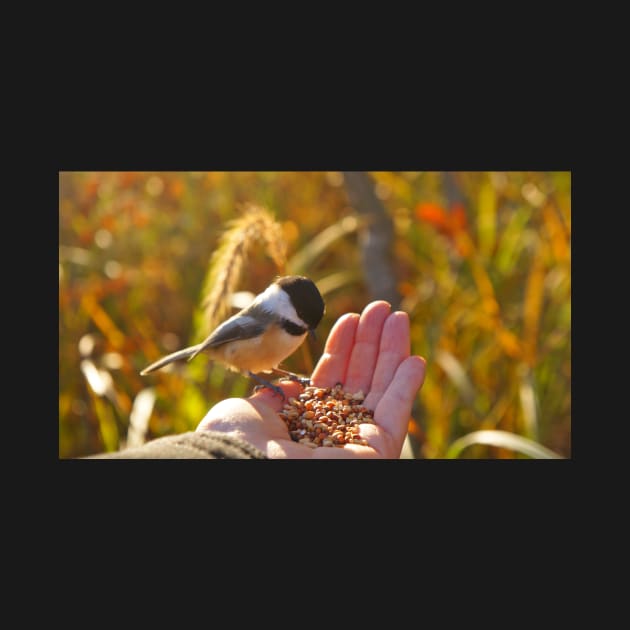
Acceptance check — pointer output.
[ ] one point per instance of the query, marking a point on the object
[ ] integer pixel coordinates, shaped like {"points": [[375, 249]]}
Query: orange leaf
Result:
{"points": [[176, 188], [432, 213], [108, 222], [414, 428], [458, 219], [140, 218], [128, 178]]}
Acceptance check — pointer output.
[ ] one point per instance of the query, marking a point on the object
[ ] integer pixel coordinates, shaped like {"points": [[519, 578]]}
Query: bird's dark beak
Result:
{"points": [[312, 335]]}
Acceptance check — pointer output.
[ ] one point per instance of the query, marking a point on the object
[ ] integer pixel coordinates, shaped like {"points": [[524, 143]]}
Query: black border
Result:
{"points": [[291, 139]]}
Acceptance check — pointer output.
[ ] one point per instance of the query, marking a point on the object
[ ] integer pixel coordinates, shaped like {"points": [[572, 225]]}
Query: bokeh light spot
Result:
{"points": [[86, 345], [103, 238], [334, 178], [155, 186], [113, 269]]}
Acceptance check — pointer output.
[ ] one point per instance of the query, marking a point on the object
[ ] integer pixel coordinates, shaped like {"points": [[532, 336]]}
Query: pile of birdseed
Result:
{"points": [[326, 416]]}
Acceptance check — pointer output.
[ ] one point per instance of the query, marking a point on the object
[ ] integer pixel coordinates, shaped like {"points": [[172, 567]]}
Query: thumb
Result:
{"points": [[273, 399]]}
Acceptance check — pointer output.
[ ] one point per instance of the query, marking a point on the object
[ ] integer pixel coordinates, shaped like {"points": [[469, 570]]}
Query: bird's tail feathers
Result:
{"points": [[180, 355]]}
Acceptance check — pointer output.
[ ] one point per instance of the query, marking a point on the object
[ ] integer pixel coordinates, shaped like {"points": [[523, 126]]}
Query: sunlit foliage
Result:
{"points": [[482, 263]]}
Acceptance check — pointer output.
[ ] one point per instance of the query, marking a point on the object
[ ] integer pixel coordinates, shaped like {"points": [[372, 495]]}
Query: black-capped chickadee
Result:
{"points": [[260, 336]]}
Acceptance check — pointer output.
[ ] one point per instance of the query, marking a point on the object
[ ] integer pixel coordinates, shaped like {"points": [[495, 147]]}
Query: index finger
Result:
{"points": [[332, 365]]}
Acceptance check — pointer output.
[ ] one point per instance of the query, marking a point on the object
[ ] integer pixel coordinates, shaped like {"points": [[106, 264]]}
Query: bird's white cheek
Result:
{"points": [[278, 301]]}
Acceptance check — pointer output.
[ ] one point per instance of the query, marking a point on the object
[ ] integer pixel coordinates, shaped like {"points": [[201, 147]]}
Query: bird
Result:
{"points": [[260, 336]]}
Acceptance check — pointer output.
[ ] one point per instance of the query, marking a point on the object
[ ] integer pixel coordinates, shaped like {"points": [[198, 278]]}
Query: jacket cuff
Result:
{"points": [[190, 445]]}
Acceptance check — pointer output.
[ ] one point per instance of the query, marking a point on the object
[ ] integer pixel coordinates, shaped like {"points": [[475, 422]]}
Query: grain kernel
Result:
{"points": [[326, 417]]}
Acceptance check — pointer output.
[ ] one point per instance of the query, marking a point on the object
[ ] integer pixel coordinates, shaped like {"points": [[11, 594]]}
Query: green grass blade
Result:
{"points": [[457, 374], [336, 281], [503, 439], [301, 261]]}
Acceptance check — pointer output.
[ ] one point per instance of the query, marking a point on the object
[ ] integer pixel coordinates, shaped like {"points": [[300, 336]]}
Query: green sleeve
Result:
{"points": [[191, 445]]}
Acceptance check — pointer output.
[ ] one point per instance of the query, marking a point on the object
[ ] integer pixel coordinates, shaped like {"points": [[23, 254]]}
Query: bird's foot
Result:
{"points": [[305, 381], [262, 383]]}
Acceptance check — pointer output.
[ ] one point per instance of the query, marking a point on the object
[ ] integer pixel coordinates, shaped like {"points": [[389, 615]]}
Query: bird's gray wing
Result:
{"points": [[241, 327]]}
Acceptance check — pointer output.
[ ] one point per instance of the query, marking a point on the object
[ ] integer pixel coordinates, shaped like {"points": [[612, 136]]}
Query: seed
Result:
{"points": [[326, 417]]}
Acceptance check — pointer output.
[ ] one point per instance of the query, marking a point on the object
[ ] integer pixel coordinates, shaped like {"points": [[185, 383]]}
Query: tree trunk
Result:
{"points": [[375, 239]]}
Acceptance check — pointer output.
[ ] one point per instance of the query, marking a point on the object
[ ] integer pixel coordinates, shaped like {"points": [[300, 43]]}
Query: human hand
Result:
{"points": [[367, 352]]}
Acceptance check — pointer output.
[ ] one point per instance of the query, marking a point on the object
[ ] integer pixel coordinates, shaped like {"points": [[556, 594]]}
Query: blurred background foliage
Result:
{"points": [[481, 261]]}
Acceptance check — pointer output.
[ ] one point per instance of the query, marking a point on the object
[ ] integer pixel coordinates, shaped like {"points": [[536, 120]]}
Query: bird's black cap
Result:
{"points": [[305, 297]]}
